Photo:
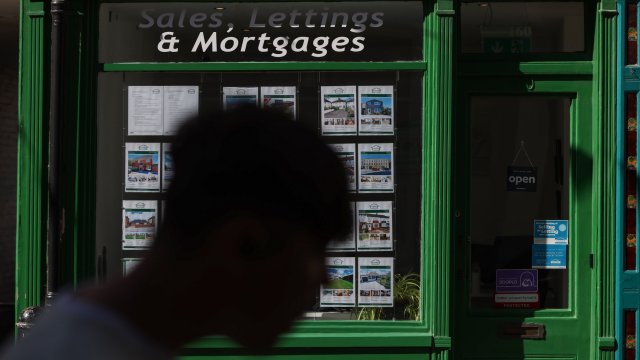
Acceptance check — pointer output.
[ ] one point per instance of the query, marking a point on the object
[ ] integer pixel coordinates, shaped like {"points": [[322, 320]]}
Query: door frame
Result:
{"points": [[581, 299]]}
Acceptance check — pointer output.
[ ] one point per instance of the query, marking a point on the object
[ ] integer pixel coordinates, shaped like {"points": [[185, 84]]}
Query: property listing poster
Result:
{"points": [[167, 166], [338, 110], [375, 225], [139, 223], [128, 264], [376, 110], [375, 162], [281, 98], [347, 155], [142, 167], [180, 103], [348, 243], [375, 282], [340, 291], [237, 97], [145, 110]]}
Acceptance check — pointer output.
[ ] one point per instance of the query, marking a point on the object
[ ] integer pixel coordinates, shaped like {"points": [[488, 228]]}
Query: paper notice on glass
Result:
{"points": [[347, 155], [338, 105], [142, 167], [376, 110], [128, 264], [280, 98], [139, 223], [145, 110], [348, 243], [375, 282], [237, 97], [340, 291], [375, 225], [167, 166], [375, 162], [180, 103]]}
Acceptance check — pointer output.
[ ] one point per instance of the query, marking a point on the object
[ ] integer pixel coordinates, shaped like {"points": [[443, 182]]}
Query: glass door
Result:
{"points": [[523, 220]]}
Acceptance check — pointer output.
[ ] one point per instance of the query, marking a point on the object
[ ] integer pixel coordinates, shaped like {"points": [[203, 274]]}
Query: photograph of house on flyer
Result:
{"points": [[237, 97], [338, 110], [144, 110], [375, 162], [348, 243], [280, 98], [340, 291], [347, 155], [139, 223], [167, 166], [376, 110], [375, 224], [142, 167], [375, 282]]}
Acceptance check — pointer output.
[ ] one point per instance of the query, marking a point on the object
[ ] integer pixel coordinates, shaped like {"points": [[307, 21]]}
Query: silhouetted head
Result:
{"points": [[254, 201]]}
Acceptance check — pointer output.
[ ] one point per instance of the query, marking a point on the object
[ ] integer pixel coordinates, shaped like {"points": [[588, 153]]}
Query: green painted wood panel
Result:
{"points": [[31, 201]]}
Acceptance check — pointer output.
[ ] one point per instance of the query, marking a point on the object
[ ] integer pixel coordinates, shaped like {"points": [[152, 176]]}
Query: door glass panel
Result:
{"points": [[519, 174], [502, 28], [632, 34]]}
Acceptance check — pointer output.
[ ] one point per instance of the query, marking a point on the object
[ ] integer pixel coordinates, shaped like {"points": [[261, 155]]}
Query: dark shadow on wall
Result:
{"points": [[8, 171]]}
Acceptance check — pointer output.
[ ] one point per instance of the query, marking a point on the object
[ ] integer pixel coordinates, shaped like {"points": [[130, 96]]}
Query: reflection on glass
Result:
{"points": [[632, 34], [503, 28], [529, 135], [631, 171]]}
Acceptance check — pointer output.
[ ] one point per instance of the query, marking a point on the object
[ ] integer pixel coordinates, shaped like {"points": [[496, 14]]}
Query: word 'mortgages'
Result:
{"points": [[278, 46]]}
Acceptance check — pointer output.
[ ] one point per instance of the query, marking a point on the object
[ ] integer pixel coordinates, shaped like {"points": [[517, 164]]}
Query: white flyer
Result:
{"points": [[347, 155], [180, 103], [348, 243], [375, 282], [142, 167], [375, 163], [167, 166], [340, 291], [128, 264], [375, 225], [281, 98], [338, 104], [145, 110], [375, 110], [139, 223], [237, 97]]}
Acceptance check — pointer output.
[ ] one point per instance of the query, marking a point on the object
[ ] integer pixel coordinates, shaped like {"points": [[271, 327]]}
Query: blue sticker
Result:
{"points": [[548, 256], [555, 232]]}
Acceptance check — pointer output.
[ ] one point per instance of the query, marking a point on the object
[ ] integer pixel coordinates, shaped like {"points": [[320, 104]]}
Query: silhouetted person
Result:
{"points": [[240, 251]]}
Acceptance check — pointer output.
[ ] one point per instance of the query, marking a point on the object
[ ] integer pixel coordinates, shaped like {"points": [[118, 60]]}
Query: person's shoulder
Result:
{"points": [[74, 329]]}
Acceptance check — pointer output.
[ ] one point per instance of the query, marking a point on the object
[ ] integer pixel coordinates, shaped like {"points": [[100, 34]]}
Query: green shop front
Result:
{"points": [[479, 139]]}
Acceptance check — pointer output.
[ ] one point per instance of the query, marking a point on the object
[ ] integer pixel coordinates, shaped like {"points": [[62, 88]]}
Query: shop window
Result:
{"points": [[373, 120], [519, 202], [507, 28]]}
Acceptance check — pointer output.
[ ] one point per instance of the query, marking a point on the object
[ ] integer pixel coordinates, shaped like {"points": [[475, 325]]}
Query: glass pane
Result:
{"points": [[630, 335], [261, 31], [501, 28], [371, 119], [632, 34], [519, 173], [631, 170]]}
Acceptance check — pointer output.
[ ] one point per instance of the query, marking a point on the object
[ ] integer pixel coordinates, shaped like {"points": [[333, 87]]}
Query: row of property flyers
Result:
{"points": [[372, 115], [160, 110], [145, 163], [375, 170], [374, 279], [373, 228]]}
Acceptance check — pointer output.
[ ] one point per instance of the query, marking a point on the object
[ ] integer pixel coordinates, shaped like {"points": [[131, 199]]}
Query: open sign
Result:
{"points": [[521, 178]]}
